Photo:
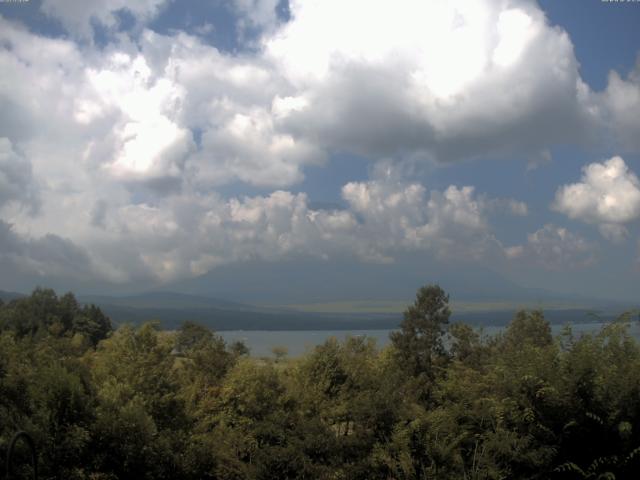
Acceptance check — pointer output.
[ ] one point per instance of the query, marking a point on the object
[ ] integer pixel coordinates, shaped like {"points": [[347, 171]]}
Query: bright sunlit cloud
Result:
{"points": [[161, 152]]}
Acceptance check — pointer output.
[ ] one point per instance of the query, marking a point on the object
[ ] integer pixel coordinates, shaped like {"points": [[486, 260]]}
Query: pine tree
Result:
{"points": [[419, 342]]}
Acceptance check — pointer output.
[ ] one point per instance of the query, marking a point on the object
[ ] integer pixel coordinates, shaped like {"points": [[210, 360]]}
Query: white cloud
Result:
{"points": [[393, 89], [608, 196], [452, 223], [107, 189], [148, 141], [16, 180], [188, 235], [77, 16], [263, 117], [389, 90], [256, 13], [191, 234], [247, 147], [555, 248], [230, 101], [48, 256], [129, 114], [620, 104], [151, 128], [127, 174]]}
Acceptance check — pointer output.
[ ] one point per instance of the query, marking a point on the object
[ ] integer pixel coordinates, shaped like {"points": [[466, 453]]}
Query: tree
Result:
{"points": [[43, 313], [466, 344], [140, 417], [528, 327], [92, 323], [192, 335], [419, 342]]}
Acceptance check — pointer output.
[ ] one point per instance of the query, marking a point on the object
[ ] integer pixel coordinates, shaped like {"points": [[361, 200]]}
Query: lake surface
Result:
{"points": [[298, 342]]}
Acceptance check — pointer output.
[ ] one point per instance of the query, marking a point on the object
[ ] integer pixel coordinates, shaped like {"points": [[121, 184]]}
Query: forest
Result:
{"points": [[442, 401]]}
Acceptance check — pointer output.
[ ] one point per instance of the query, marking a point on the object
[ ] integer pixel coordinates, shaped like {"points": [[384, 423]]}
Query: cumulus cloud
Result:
{"points": [[247, 147], [555, 248], [392, 89], [47, 256], [147, 141], [130, 115], [16, 179], [43, 81], [228, 100], [188, 234], [170, 109], [140, 204], [382, 219], [153, 127], [608, 196], [130, 161], [261, 14], [620, 103], [77, 17], [395, 213]]}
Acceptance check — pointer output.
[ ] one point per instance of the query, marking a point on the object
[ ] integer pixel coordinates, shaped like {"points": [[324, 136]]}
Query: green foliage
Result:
{"points": [[43, 313], [442, 401], [419, 342]]}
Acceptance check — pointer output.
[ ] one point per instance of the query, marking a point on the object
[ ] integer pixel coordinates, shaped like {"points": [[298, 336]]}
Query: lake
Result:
{"points": [[300, 341]]}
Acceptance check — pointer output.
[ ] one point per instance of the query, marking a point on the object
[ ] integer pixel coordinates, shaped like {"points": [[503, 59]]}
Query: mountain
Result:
{"points": [[309, 281], [171, 309], [165, 300], [8, 296]]}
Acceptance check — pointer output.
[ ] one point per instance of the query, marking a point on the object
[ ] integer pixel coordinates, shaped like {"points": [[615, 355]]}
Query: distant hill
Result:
{"points": [[8, 296], [165, 300], [220, 319], [317, 281], [171, 309]]}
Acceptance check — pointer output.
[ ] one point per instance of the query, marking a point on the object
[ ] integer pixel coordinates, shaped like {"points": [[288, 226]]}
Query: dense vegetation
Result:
{"points": [[441, 401]]}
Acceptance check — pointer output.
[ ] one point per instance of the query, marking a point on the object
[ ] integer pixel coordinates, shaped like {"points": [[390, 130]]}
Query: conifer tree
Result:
{"points": [[419, 342]]}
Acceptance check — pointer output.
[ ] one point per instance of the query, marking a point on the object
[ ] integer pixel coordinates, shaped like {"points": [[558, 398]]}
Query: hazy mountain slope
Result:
{"points": [[172, 309], [164, 300], [8, 296], [317, 281]]}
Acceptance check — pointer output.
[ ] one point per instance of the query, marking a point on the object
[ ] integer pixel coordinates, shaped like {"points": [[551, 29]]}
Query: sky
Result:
{"points": [[164, 144]]}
